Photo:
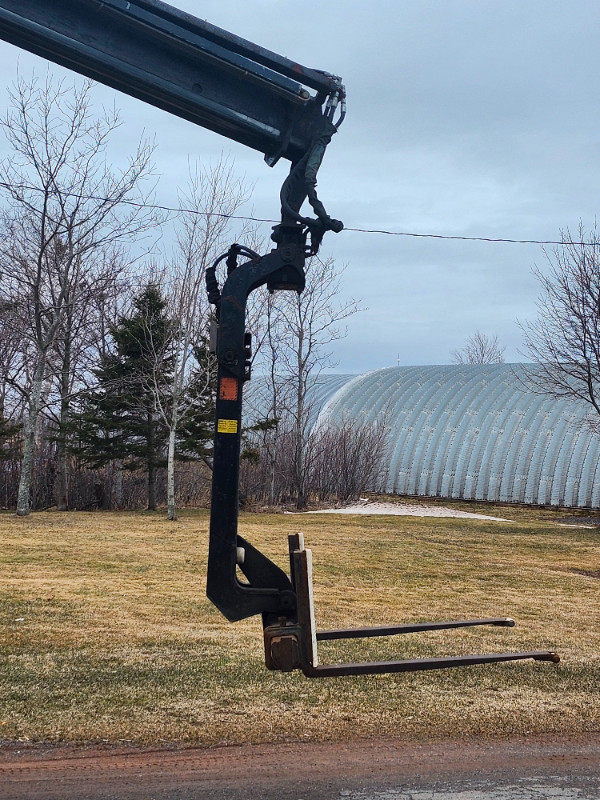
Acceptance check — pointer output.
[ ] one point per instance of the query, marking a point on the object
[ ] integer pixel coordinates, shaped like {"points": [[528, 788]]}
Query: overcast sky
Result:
{"points": [[465, 118]]}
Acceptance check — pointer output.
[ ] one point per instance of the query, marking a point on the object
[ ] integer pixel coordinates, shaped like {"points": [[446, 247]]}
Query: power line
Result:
{"points": [[381, 232], [473, 238]]}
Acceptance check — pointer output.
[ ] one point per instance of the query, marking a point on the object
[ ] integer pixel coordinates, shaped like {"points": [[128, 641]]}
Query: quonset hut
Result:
{"points": [[472, 432]]}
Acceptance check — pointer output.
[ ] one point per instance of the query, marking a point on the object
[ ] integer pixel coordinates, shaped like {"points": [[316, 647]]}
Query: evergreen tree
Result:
{"points": [[119, 420], [9, 444], [196, 428]]}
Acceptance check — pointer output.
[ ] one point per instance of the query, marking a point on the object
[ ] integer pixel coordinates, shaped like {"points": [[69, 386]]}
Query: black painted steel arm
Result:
{"points": [[183, 65], [267, 589]]}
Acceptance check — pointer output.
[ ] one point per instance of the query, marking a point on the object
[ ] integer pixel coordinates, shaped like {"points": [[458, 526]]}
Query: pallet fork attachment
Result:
{"points": [[292, 646], [285, 602]]}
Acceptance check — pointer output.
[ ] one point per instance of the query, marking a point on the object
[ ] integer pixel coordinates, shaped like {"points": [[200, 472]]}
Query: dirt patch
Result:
{"points": [[580, 521], [291, 771], [589, 573]]}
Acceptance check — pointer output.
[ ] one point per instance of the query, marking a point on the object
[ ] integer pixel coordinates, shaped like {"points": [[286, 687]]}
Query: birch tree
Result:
{"points": [[64, 203], [213, 194]]}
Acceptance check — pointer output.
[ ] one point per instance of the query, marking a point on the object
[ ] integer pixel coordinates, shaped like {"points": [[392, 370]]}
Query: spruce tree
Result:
{"points": [[9, 443], [119, 420], [196, 428]]}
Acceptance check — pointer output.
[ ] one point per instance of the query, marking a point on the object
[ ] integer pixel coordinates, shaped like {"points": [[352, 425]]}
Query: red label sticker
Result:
{"points": [[228, 389]]}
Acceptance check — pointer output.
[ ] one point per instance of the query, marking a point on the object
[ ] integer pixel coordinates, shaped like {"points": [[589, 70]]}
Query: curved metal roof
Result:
{"points": [[472, 432], [257, 395]]}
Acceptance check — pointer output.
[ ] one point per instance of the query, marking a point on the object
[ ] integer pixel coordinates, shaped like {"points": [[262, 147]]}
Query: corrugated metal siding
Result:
{"points": [[472, 432], [257, 397]]}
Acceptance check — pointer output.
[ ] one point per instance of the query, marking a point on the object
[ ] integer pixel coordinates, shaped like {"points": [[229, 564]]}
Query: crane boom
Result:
{"points": [[185, 66]]}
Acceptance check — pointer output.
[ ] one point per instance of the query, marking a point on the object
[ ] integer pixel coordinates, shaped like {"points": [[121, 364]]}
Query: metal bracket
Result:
{"points": [[293, 645]]}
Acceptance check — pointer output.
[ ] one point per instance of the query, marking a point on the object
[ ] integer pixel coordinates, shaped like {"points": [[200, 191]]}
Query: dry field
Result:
{"points": [[106, 635]]}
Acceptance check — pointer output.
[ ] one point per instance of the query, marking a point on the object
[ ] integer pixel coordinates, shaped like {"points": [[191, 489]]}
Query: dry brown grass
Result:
{"points": [[107, 635]]}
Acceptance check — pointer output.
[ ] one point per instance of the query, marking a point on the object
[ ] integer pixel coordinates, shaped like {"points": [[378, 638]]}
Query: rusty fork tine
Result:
{"points": [[291, 646], [417, 627]]}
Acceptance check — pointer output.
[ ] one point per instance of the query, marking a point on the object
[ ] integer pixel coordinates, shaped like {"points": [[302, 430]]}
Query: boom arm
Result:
{"points": [[181, 64]]}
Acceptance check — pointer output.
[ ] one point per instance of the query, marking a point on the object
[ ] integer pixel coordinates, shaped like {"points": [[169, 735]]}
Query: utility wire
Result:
{"points": [[473, 238], [178, 210]]}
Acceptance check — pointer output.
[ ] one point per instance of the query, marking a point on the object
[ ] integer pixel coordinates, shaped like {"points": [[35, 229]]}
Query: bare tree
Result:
{"points": [[213, 195], [266, 403], [564, 340], [74, 352], [302, 328], [277, 397], [349, 458], [480, 349], [64, 205], [11, 359]]}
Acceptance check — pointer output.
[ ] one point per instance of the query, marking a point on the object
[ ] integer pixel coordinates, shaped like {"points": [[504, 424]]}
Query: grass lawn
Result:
{"points": [[106, 634]]}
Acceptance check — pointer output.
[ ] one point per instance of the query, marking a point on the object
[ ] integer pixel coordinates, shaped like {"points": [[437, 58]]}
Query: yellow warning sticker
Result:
{"points": [[227, 426]]}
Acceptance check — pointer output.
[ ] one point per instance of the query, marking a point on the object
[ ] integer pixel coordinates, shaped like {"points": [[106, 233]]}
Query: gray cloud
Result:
{"points": [[466, 117]]}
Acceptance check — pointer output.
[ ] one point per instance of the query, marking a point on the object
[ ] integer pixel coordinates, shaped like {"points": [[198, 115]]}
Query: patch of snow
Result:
{"points": [[405, 509]]}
